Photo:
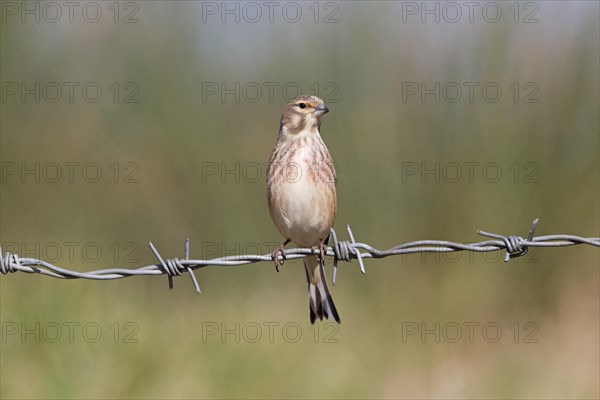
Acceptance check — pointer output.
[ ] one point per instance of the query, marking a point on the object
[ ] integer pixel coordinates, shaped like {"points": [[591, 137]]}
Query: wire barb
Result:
{"points": [[515, 245], [189, 270], [345, 250], [174, 267], [6, 265], [356, 251]]}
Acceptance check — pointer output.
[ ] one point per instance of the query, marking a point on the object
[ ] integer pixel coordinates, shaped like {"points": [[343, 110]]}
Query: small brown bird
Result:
{"points": [[301, 191]]}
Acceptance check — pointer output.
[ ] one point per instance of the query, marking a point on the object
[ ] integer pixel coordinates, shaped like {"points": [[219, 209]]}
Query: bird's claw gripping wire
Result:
{"points": [[279, 250], [322, 252]]}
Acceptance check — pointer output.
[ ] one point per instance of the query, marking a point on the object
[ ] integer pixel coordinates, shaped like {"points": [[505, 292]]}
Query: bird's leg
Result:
{"points": [[322, 251], [280, 249]]}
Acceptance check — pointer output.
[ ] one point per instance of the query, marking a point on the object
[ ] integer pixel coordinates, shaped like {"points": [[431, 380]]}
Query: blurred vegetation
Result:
{"points": [[173, 133]]}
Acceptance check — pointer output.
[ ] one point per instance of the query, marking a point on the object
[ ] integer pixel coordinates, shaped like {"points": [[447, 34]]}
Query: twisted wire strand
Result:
{"points": [[344, 250]]}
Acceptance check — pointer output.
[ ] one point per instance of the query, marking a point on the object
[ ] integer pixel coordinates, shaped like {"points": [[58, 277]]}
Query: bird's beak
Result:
{"points": [[322, 109]]}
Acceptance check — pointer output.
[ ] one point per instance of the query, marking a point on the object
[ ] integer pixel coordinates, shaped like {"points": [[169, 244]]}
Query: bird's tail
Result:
{"points": [[320, 302]]}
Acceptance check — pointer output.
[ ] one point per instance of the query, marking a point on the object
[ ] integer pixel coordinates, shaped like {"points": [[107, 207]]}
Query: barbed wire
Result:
{"points": [[344, 250]]}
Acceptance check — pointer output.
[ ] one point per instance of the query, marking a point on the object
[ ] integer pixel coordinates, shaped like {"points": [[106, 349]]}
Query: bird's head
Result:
{"points": [[303, 113]]}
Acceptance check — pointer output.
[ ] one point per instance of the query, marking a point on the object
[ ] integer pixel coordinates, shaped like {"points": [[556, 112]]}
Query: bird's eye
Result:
{"points": [[302, 105]]}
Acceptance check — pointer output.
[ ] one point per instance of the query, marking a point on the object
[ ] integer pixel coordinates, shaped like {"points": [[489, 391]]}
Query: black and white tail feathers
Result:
{"points": [[320, 302]]}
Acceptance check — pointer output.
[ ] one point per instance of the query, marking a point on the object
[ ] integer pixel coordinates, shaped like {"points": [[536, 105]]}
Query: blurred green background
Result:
{"points": [[189, 163]]}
